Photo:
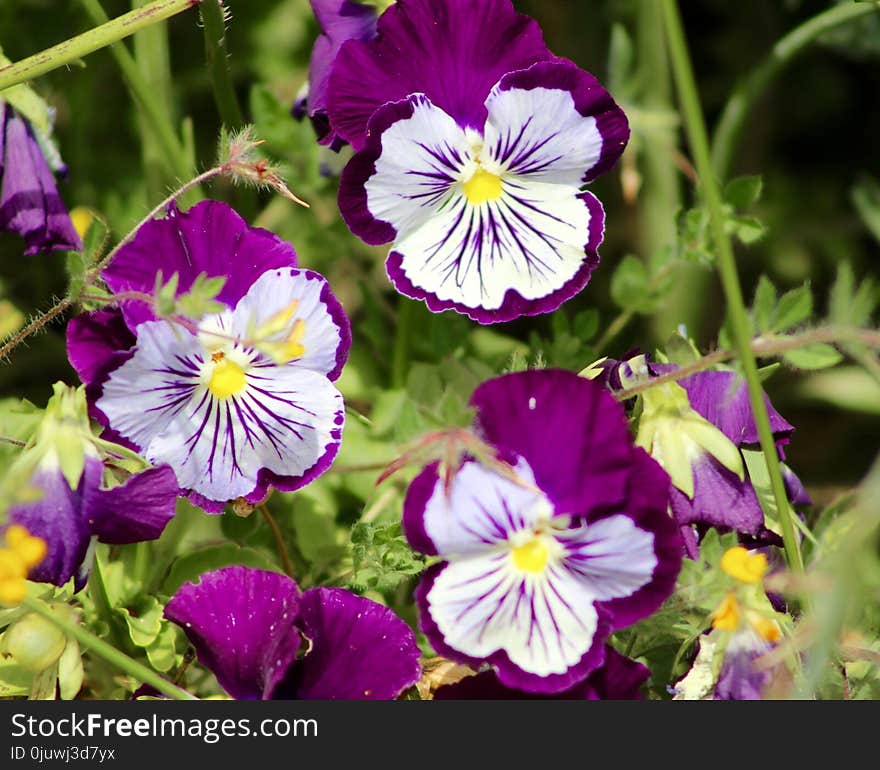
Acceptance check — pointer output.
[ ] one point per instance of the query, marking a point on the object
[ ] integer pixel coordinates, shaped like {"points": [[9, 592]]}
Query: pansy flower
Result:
{"points": [[29, 201], [619, 678], [249, 627], [244, 399], [537, 570], [473, 145], [78, 496], [698, 429], [339, 20]]}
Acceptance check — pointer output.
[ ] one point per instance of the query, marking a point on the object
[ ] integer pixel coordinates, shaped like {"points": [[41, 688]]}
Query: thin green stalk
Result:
{"points": [[740, 104], [88, 42], [214, 22], [400, 355], [695, 125], [152, 107], [151, 53], [113, 656]]}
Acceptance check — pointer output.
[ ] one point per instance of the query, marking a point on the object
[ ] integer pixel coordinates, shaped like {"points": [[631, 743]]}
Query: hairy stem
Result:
{"points": [[742, 101], [710, 191], [91, 41], [110, 654]]}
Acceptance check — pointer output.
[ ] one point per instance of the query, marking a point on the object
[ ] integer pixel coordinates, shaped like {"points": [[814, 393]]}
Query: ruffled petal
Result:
{"points": [[98, 342], [241, 622], [619, 678], [301, 303], [136, 510], [423, 46], [59, 518], [282, 425], [570, 431], [209, 238], [29, 201], [481, 510], [359, 650]]}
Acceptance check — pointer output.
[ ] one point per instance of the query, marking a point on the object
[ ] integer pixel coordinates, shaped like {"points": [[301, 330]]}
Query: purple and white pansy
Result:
{"points": [[473, 145], [249, 626], [244, 399], [536, 571]]}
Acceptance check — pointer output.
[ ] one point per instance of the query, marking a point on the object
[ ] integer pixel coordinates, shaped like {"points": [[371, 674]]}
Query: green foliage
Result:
{"points": [[381, 558]]}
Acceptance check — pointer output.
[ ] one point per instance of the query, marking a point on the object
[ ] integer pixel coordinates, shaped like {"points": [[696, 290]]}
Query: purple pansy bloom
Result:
{"points": [[74, 503], [537, 572], [29, 201], [473, 143], [248, 626], [340, 20], [245, 402], [619, 678], [739, 678]]}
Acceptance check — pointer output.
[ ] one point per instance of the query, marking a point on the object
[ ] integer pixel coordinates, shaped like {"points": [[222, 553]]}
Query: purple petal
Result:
{"points": [[340, 20], [794, 488], [739, 679], [359, 650], [423, 46], [241, 622], [570, 430], [97, 343], [720, 499], [590, 98], [136, 510], [29, 201], [209, 238], [58, 518], [723, 399], [619, 678], [646, 505]]}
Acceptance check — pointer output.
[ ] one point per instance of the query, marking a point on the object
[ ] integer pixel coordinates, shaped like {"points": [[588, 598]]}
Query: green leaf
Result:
{"points": [[866, 198], [315, 533], [161, 652], [744, 191], [15, 681], [794, 307], [144, 627], [764, 304], [188, 568], [818, 356], [748, 230], [630, 286]]}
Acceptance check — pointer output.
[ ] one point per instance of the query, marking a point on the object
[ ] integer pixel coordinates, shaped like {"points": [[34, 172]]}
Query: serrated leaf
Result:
{"points": [[794, 307], [818, 356], [748, 230], [743, 191]]}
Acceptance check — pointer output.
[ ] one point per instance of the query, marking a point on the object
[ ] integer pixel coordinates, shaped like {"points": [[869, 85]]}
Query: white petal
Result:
{"points": [[272, 294], [612, 555], [482, 509], [539, 132], [421, 157]]}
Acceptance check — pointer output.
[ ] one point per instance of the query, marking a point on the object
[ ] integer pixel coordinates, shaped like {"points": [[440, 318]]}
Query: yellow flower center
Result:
{"points": [[726, 617], [765, 628], [483, 186], [227, 379], [742, 565], [531, 556]]}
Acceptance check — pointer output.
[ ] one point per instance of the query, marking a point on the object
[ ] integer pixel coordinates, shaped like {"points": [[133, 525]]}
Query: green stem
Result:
{"points": [[214, 22], [113, 656], [91, 41], [400, 354], [743, 99], [741, 326], [150, 103]]}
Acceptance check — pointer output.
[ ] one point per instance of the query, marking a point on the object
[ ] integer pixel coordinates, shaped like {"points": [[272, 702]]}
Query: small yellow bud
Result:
{"points": [[727, 616], [748, 567]]}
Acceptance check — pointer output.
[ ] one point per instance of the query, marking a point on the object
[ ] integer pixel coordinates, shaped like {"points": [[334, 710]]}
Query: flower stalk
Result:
{"points": [[695, 126], [88, 42]]}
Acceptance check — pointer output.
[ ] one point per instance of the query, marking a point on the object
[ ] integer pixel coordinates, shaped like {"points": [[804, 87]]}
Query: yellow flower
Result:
{"points": [[743, 565], [22, 552]]}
